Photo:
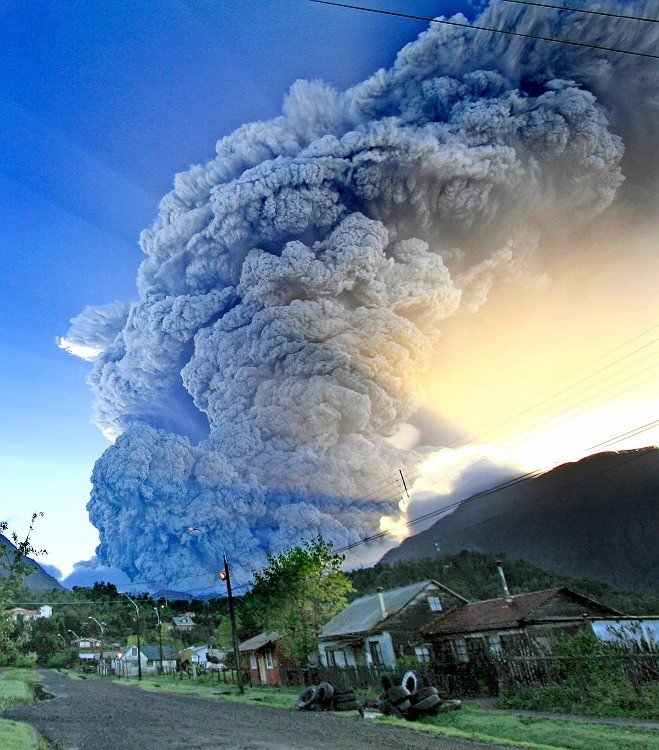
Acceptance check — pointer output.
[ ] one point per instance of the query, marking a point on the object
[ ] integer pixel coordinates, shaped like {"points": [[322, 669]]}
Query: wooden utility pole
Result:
{"points": [[234, 631]]}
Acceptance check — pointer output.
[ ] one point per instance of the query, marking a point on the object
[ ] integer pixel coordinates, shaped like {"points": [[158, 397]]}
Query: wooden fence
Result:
{"points": [[492, 675]]}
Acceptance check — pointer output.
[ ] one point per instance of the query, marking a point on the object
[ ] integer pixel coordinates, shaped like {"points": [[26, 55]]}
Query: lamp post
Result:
{"points": [[73, 633], [226, 577], [101, 625], [139, 649], [157, 611]]}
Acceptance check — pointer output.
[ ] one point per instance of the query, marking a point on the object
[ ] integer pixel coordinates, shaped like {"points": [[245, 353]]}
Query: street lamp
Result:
{"points": [[226, 577], [74, 634], [101, 625], [139, 649], [157, 611]]}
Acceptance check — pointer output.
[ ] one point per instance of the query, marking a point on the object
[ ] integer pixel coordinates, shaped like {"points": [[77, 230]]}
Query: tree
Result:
{"points": [[296, 594], [14, 568]]}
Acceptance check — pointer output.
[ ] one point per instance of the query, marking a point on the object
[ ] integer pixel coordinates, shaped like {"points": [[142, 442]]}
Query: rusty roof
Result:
{"points": [[494, 613]]}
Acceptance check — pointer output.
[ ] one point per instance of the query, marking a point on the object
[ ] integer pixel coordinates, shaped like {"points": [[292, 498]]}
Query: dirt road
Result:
{"points": [[101, 715]]}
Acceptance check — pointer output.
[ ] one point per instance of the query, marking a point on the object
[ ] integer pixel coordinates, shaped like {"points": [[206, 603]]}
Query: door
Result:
{"points": [[260, 658]]}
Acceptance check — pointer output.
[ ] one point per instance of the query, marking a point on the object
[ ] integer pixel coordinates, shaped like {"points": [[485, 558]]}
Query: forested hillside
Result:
{"points": [[474, 575]]}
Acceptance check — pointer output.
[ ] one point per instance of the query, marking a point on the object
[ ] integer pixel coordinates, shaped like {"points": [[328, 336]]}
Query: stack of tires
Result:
{"points": [[410, 700], [325, 697]]}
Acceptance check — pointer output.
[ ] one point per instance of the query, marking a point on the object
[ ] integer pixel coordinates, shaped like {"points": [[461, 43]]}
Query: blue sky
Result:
{"points": [[101, 104]]}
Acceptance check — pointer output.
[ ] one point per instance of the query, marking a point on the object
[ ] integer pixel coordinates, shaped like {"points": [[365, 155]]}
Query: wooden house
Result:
{"points": [[525, 623], [380, 628], [267, 658]]}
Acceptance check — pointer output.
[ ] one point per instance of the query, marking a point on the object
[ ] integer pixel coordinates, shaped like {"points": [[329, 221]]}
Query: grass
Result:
{"points": [[534, 732], [605, 699], [15, 689]]}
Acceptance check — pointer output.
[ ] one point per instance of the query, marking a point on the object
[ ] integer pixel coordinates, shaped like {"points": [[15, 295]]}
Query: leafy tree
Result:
{"points": [[14, 569], [296, 594]]}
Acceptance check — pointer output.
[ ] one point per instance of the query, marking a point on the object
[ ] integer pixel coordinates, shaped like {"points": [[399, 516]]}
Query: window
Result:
{"points": [[375, 651], [435, 603], [252, 662], [460, 650], [269, 661], [422, 654], [337, 658], [494, 643]]}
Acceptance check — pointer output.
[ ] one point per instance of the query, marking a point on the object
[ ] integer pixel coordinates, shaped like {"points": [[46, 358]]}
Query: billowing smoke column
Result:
{"points": [[295, 285]]}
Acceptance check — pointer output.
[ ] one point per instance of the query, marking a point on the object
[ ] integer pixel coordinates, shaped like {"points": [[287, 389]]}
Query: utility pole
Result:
{"points": [[139, 648], [234, 631], [226, 577], [159, 638]]}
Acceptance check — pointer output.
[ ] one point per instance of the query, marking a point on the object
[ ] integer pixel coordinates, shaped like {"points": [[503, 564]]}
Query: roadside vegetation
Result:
{"points": [[596, 679], [538, 733], [15, 689]]}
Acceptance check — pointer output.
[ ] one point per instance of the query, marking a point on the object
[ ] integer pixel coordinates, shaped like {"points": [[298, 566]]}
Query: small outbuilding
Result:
{"points": [[266, 658]]}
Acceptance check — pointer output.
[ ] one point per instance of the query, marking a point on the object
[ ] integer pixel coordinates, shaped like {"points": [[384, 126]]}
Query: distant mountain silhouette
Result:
{"points": [[38, 579], [596, 518]]}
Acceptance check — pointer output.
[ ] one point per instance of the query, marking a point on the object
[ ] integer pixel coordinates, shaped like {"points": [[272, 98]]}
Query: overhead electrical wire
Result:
{"points": [[496, 423], [385, 482], [475, 27], [572, 9], [502, 485]]}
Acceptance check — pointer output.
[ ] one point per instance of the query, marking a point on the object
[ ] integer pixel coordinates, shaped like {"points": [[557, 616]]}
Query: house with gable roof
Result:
{"points": [[529, 622], [380, 628]]}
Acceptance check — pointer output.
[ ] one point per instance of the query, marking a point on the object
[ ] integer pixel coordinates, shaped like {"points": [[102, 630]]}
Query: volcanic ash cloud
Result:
{"points": [[294, 288]]}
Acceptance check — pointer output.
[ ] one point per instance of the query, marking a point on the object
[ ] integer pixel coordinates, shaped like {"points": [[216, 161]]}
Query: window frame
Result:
{"points": [[432, 600]]}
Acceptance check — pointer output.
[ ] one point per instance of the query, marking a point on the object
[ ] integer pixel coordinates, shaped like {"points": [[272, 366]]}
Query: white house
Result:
{"points": [[183, 622], [44, 611], [125, 664]]}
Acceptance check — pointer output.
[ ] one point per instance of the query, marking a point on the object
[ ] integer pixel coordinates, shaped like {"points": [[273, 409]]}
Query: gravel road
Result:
{"points": [[100, 715]]}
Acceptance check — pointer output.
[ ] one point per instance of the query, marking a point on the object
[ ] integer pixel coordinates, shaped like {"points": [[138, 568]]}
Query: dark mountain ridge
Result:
{"points": [[38, 579], [593, 518]]}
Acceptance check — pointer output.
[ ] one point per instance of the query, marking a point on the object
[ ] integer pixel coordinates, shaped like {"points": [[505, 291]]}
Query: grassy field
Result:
{"points": [[488, 725], [15, 689]]}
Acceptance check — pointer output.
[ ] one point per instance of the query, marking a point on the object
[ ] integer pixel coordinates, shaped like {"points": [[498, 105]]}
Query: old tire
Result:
{"points": [[412, 681], [308, 698], [346, 706], [325, 692], [343, 691], [429, 705], [424, 693], [386, 681], [397, 695]]}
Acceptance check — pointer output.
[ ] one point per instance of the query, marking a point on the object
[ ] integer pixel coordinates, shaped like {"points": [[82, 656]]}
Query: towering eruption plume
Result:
{"points": [[295, 285]]}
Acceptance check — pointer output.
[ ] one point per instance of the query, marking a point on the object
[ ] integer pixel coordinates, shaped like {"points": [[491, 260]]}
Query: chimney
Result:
{"points": [[383, 609], [506, 591]]}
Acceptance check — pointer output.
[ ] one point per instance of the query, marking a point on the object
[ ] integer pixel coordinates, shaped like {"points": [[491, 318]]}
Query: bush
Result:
{"points": [[591, 677], [63, 659]]}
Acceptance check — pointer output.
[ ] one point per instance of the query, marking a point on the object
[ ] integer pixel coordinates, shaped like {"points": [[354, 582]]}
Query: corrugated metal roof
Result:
{"points": [[259, 641], [364, 614], [152, 653]]}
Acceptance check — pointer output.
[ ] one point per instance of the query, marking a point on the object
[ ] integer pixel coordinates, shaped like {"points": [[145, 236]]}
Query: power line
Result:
{"points": [[565, 486], [496, 488], [496, 423], [475, 27], [582, 10]]}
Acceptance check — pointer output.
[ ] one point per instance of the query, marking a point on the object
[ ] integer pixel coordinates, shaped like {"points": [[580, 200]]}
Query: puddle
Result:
{"points": [[40, 694]]}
